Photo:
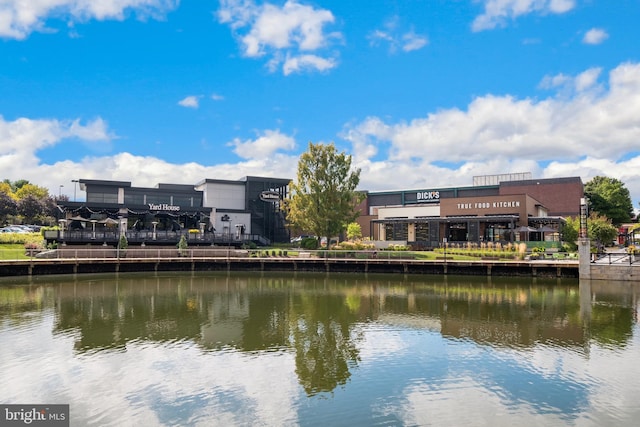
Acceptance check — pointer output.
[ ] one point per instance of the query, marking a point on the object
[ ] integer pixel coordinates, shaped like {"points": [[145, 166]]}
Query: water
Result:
{"points": [[318, 350]]}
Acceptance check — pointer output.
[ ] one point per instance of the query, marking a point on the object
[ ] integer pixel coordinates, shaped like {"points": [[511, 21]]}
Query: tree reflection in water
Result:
{"points": [[317, 317], [322, 339]]}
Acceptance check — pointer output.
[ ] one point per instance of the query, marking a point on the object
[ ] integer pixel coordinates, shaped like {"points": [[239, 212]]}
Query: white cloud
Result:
{"points": [[21, 139], [395, 39], [550, 82], [595, 36], [293, 30], [594, 131], [27, 136], [192, 101], [301, 63], [570, 85], [587, 79], [155, 375], [412, 41], [19, 18], [497, 12], [589, 127], [217, 97], [264, 146]]}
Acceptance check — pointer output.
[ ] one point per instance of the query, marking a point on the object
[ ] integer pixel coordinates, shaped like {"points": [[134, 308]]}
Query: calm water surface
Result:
{"points": [[319, 350]]}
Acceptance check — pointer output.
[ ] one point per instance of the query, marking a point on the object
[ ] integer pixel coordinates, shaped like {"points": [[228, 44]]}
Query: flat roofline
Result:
{"points": [[487, 218], [105, 182], [180, 187], [265, 178], [244, 180], [218, 181], [562, 180], [471, 187]]}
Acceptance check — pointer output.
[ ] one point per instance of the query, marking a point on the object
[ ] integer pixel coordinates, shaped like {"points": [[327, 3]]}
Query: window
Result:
{"points": [[182, 200], [422, 231], [100, 197], [396, 231], [157, 199], [134, 199], [458, 232], [497, 232]]}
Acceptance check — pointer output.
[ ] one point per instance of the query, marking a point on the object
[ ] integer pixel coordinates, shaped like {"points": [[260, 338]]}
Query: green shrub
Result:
{"points": [[354, 246], [123, 243], [250, 245], [310, 243], [182, 245], [396, 248], [21, 238]]}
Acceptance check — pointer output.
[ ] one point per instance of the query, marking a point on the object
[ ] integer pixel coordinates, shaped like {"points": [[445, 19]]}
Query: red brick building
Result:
{"points": [[510, 208]]}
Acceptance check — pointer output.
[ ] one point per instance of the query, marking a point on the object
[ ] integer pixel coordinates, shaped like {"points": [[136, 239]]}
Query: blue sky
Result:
{"points": [[422, 94]]}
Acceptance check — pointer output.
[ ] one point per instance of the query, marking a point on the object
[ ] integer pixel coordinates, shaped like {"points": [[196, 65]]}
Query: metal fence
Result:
{"points": [[204, 252], [615, 258], [152, 237]]}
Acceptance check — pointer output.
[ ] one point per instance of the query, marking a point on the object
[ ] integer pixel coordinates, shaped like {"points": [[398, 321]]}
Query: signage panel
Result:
{"points": [[270, 196], [163, 207]]}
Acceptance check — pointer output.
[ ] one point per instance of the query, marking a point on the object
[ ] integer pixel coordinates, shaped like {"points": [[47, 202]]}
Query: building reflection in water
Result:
{"points": [[318, 317]]}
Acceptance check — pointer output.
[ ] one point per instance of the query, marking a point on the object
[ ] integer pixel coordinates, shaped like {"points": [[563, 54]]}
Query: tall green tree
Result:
{"points": [[609, 197], [354, 231], [601, 229], [570, 232], [323, 199]]}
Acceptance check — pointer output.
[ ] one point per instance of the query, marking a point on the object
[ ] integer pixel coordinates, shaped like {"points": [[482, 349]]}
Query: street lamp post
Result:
{"points": [[61, 234], [60, 192], [444, 243]]}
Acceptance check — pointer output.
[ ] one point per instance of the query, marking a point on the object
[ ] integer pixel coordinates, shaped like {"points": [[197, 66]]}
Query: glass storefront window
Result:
{"points": [[397, 231], [388, 232], [422, 232], [458, 232], [497, 233]]}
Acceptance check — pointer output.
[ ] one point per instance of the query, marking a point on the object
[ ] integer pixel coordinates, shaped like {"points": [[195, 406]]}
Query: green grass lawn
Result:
{"points": [[337, 253], [12, 251]]}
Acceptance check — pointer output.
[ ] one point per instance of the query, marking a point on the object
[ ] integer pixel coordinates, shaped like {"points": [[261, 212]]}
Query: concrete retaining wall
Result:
{"points": [[111, 265], [615, 272]]}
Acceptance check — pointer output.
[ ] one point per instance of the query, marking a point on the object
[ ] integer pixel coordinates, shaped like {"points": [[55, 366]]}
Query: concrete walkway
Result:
{"points": [[618, 256]]}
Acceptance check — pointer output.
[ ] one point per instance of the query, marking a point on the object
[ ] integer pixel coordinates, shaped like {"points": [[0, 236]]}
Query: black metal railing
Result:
{"points": [[150, 237], [614, 258]]}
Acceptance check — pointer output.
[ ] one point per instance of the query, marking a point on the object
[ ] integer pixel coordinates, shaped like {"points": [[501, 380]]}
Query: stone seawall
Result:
{"points": [[545, 269]]}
